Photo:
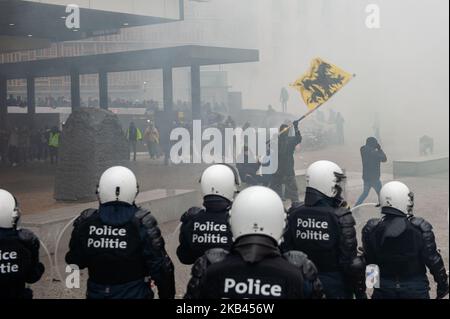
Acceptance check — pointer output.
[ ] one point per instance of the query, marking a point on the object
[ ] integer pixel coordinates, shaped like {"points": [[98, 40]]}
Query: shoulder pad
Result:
{"points": [[296, 258], [28, 237], [191, 212], [146, 218], [85, 215], [199, 269], [422, 224], [345, 217], [296, 205], [342, 211], [372, 223], [143, 218], [301, 261], [216, 255]]}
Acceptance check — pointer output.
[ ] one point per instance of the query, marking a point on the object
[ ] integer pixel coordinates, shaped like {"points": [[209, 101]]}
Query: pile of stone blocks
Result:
{"points": [[92, 140]]}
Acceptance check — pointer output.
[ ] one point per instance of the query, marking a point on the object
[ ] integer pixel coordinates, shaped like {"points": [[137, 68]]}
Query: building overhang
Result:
{"points": [[45, 20], [173, 57]]}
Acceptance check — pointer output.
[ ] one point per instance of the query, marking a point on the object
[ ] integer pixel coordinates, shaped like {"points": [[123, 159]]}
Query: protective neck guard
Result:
{"points": [[117, 213], [214, 203], [315, 198], [390, 211], [7, 232], [255, 248], [394, 227]]}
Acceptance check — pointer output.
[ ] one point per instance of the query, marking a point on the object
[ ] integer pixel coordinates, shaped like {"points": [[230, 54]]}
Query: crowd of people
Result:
{"points": [[21, 145], [18, 100], [47, 101], [64, 101]]}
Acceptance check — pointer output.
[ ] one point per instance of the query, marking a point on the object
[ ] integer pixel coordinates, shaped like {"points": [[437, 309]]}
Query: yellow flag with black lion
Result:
{"points": [[321, 82]]}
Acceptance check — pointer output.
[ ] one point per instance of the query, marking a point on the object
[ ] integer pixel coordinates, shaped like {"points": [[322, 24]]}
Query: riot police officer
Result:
{"points": [[255, 267], [19, 253], [403, 246], [206, 228], [324, 228], [120, 244]]}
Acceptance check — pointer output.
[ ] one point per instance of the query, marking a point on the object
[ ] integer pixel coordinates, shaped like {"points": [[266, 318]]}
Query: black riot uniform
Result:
{"points": [[204, 229], [19, 263], [403, 247], [254, 269], [121, 245], [326, 233]]}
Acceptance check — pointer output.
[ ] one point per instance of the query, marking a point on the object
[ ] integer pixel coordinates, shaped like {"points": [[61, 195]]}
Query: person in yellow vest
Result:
{"points": [[53, 144], [134, 135]]}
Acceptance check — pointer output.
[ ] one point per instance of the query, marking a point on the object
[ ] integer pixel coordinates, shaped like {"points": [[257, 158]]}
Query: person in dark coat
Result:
{"points": [[372, 156], [285, 174]]}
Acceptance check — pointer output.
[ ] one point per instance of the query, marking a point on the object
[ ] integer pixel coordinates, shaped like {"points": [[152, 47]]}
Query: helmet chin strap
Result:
{"points": [[338, 197], [137, 193], [16, 214], [97, 193], [15, 217]]}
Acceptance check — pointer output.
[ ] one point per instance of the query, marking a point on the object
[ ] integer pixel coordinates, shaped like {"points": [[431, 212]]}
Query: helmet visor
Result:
{"points": [[410, 206], [340, 185]]}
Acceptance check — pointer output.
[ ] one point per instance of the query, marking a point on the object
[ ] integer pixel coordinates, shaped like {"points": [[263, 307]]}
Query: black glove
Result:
{"points": [[295, 123], [442, 290]]}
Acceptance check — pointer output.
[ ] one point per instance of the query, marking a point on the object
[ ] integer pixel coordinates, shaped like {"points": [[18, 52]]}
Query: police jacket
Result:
{"points": [[323, 231], [402, 246], [204, 229], [255, 269], [286, 149], [19, 263], [121, 244]]}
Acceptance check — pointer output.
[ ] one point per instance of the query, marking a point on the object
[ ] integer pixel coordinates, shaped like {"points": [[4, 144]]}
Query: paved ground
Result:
{"points": [[33, 186]]}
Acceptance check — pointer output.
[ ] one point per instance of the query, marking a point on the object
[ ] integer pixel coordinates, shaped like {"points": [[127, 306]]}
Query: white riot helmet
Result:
{"points": [[258, 210], [9, 210], [117, 184], [327, 178], [397, 195], [221, 180]]}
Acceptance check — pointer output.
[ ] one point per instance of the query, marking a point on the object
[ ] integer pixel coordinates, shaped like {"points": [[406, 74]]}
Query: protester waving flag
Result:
{"points": [[321, 82]]}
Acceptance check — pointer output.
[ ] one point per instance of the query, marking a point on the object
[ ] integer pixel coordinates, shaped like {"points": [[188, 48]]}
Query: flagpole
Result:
{"points": [[304, 116]]}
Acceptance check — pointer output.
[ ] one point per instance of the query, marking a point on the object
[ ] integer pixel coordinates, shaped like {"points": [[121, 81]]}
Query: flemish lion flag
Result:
{"points": [[321, 82]]}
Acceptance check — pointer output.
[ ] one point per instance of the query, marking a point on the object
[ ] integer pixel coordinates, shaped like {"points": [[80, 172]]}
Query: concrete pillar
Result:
{"points": [[103, 89], [168, 108], [168, 89], [75, 94], [196, 93], [31, 99], [3, 105]]}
